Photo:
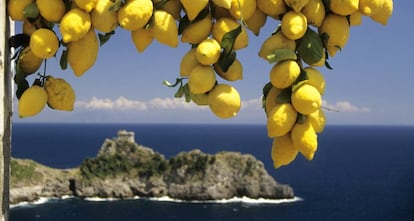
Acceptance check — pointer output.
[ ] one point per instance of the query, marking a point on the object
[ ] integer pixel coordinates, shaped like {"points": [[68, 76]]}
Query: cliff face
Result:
{"points": [[124, 169]]}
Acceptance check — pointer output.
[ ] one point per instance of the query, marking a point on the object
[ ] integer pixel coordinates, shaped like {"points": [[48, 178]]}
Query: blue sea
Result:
{"points": [[358, 173]]}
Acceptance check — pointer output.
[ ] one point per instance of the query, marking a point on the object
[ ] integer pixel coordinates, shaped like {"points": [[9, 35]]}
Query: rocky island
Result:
{"points": [[125, 169]]}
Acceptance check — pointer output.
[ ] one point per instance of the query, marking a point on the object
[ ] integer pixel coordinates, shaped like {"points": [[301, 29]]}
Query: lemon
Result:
{"points": [[224, 101], [272, 8], [316, 79], [256, 22], [51, 10], [32, 101], [199, 99], [223, 3], [355, 18], [370, 7], [242, 8], [294, 25], [304, 139], [208, 51], [274, 42], [384, 13], [82, 53], [344, 7], [28, 62], [337, 28], [135, 14], [44, 43], [102, 18], [234, 73], [74, 25], [224, 25], [271, 99], [15, 9], [297, 5], [284, 73], [188, 62], [283, 151], [193, 8], [202, 79], [142, 38], [165, 28], [86, 5], [306, 99], [318, 120], [314, 12], [281, 120], [197, 30], [60, 95], [171, 6]]}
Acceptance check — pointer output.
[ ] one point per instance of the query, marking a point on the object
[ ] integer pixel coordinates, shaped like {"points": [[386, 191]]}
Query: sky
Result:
{"points": [[370, 84]]}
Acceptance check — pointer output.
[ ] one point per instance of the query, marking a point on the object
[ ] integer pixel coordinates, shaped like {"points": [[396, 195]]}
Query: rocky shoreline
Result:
{"points": [[124, 169]]}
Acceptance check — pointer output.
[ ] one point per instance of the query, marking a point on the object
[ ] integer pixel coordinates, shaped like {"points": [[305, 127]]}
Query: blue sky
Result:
{"points": [[371, 81]]}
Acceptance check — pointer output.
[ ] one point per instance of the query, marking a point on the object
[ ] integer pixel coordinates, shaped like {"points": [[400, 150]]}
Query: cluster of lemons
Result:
{"points": [[310, 32]]}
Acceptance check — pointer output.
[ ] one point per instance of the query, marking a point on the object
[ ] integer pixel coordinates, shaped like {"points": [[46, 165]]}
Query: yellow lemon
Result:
{"points": [[199, 99], [142, 38], [272, 8], [355, 18], [28, 62], [256, 21], [283, 151], [337, 28], [102, 18], [344, 7], [223, 3], [15, 9], [51, 10], [384, 13], [294, 25], [281, 120], [165, 28], [314, 12], [242, 8], [86, 5], [188, 62], [224, 101], [197, 30], [224, 25], [274, 42], [135, 14], [271, 99], [82, 53], [370, 7], [202, 79], [234, 73], [296, 5], [60, 95], [317, 120], [208, 51], [193, 8], [44, 43], [316, 79], [306, 99], [284, 73], [32, 101], [304, 139], [74, 25]]}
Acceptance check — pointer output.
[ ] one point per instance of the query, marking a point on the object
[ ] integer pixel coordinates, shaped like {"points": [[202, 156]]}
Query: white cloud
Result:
{"points": [[345, 106], [255, 103]]}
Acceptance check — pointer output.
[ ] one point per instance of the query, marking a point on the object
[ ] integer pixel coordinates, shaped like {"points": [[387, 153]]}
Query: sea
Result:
{"points": [[358, 173]]}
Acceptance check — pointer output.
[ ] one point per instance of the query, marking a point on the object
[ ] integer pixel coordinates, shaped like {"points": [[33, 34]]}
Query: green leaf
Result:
{"points": [[21, 87], [103, 38], [225, 61], [116, 6], [227, 42], [31, 10], [179, 93], [284, 96], [327, 5], [177, 81], [184, 23], [68, 4], [265, 92], [310, 47], [301, 118], [64, 60], [282, 54], [187, 93], [20, 75], [302, 79]]}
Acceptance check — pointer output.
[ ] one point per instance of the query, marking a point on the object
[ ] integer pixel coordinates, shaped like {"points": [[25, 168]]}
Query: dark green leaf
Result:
{"points": [[19, 75], [21, 87], [68, 4], [177, 81], [284, 96], [265, 92], [225, 61], [184, 23], [302, 78], [159, 4], [327, 5], [324, 37], [310, 47], [282, 54], [64, 60], [301, 118], [103, 38], [31, 10], [179, 93], [116, 6], [187, 93], [227, 42]]}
